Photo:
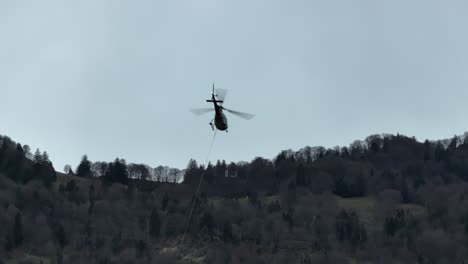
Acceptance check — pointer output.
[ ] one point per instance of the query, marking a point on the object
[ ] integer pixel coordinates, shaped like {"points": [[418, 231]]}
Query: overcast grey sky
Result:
{"points": [[117, 78]]}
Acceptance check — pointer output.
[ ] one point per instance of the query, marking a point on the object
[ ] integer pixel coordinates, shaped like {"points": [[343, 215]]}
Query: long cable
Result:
{"points": [[198, 189]]}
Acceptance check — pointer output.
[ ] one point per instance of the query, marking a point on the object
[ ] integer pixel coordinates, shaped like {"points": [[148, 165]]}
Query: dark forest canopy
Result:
{"points": [[388, 197], [365, 167]]}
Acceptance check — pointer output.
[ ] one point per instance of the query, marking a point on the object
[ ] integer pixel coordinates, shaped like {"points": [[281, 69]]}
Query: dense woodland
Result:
{"points": [[386, 199]]}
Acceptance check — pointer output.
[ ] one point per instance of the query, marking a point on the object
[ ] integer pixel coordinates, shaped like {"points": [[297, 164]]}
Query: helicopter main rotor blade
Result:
{"points": [[221, 94], [201, 111], [240, 114]]}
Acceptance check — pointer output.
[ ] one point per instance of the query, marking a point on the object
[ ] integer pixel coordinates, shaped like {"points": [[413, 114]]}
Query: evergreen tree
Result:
{"points": [[19, 148], [18, 230], [349, 228], [427, 150], [140, 247], [360, 186], [292, 193], [341, 188], [92, 198], [37, 158], [155, 224], [8, 244], [59, 234], [84, 168], [300, 175], [439, 152], [117, 172], [192, 173], [165, 201], [19, 201], [71, 186], [227, 231], [210, 174], [207, 221], [454, 143], [45, 157]]}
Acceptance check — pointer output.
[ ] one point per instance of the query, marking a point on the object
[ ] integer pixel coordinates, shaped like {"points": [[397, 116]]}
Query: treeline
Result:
{"points": [[121, 172], [365, 167], [17, 162], [368, 166]]}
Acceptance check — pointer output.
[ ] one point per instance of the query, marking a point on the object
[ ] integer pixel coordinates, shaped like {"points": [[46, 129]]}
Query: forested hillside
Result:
{"points": [[386, 199]]}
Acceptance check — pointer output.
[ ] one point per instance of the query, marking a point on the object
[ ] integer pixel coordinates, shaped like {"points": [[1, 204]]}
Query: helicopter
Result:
{"points": [[220, 121]]}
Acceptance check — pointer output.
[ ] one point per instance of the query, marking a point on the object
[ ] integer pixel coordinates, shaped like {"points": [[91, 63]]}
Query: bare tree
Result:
{"points": [[27, 152], [138, 171], [174, 175], [99, 168], [68, 169], [158, 172]]}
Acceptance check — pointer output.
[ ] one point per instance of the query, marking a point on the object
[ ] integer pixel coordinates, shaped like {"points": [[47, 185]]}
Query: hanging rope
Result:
{"points": [[198, 189]]}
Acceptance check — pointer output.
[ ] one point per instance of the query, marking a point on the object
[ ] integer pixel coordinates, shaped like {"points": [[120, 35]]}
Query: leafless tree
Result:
{"points": [[68, 169]]}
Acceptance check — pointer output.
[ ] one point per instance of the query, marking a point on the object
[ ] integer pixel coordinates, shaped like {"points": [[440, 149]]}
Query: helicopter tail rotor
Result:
{"points": [[219, 95]]}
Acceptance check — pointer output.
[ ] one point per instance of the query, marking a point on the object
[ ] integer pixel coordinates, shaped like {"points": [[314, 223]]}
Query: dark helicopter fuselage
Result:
{"points": [[220, 120]]}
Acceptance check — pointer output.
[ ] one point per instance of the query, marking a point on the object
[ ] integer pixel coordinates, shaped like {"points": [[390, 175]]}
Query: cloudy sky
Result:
{"points": [[117, 78]]}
